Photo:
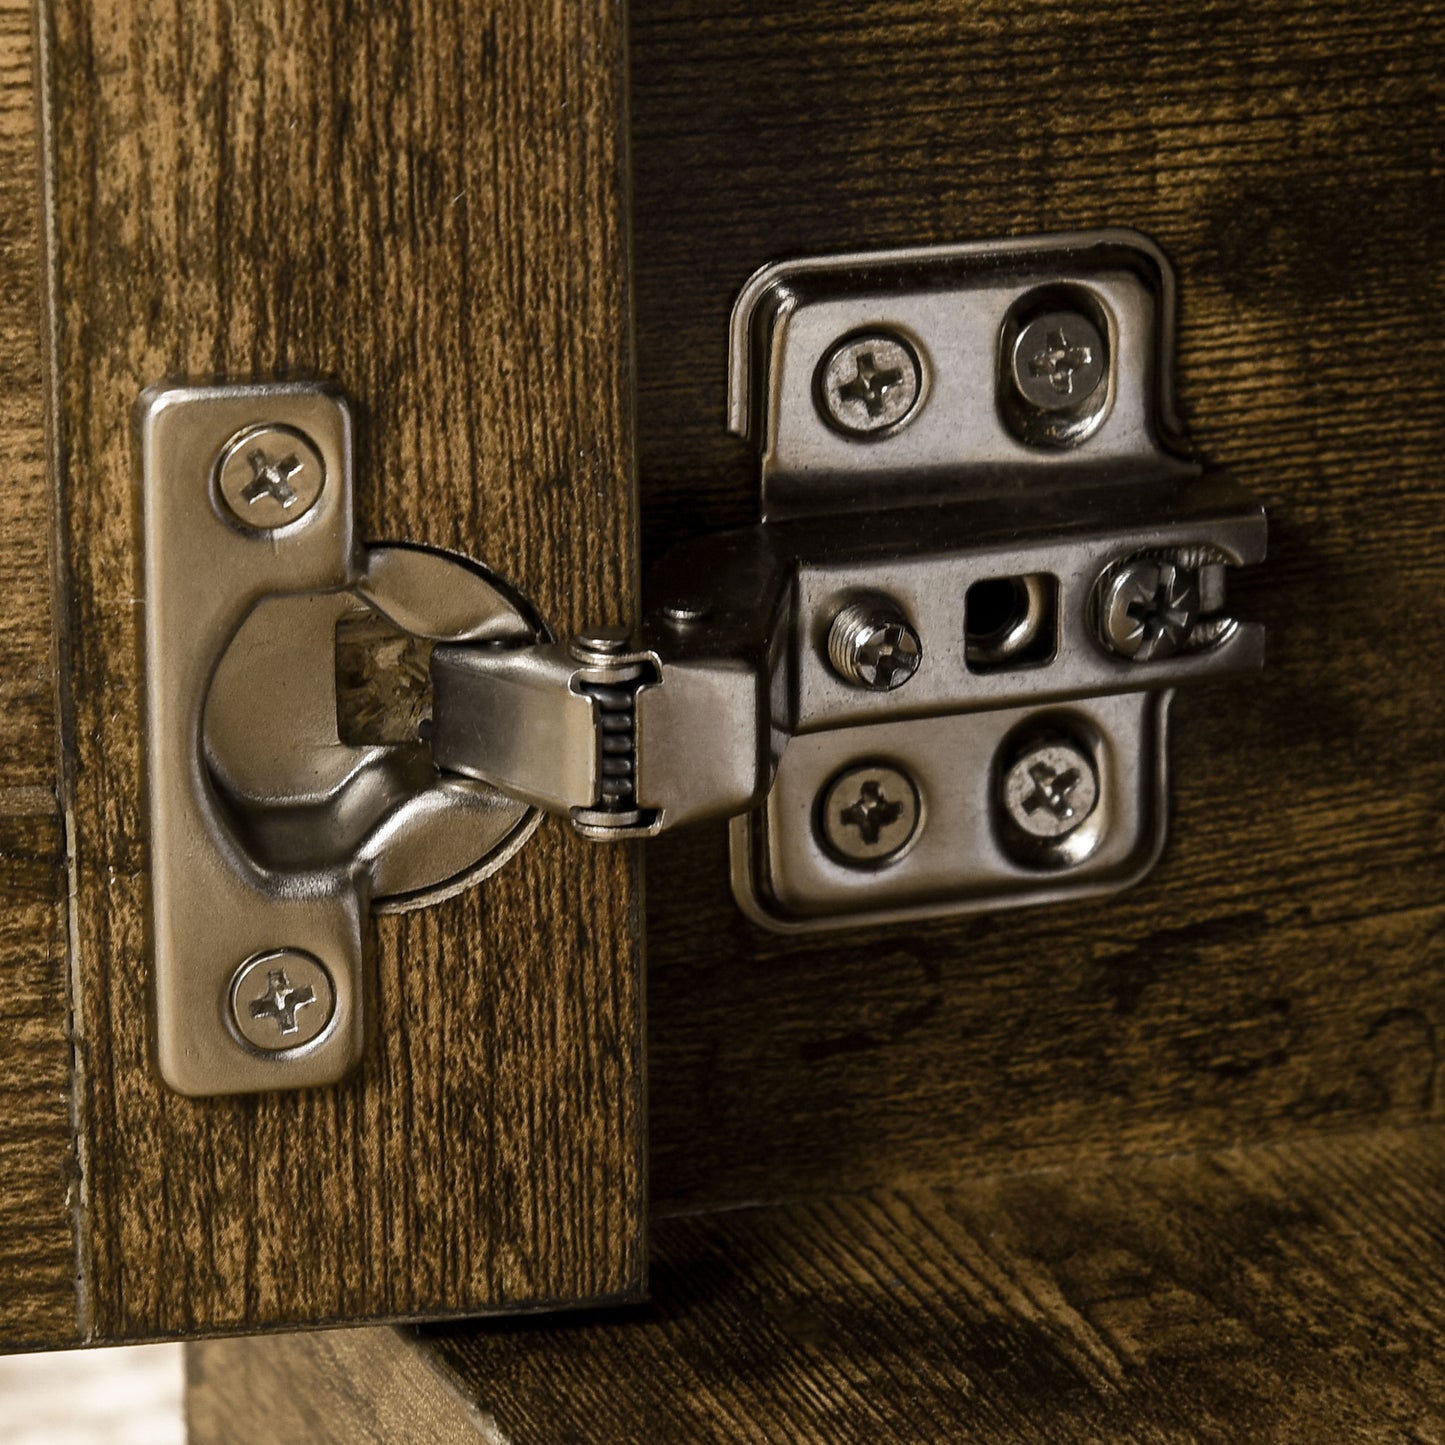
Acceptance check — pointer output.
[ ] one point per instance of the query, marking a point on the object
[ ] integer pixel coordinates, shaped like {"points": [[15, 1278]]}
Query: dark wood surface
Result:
{"points": [[1281, 969], [425, 203], [1289, 1293], [38, 1297]]}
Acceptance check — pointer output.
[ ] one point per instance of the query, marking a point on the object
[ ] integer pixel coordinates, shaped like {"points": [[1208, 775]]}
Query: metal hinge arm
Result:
{"points": [[630, 739], [621, 742]]}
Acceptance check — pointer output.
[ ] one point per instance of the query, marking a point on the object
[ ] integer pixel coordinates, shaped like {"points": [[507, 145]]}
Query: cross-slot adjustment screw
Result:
{"points": [[869, 384], [1147, 608], [1059, 361], [281, 1000], [1050, 789], [869, 814], [871, 644], [270, 476]]}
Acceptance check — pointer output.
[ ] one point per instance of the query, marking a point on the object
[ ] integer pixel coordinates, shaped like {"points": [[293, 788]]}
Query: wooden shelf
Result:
{"points": [[1290, 1292]]}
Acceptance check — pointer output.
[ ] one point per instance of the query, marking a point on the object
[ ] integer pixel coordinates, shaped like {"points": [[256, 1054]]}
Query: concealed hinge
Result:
{"points": [[932, 679]]}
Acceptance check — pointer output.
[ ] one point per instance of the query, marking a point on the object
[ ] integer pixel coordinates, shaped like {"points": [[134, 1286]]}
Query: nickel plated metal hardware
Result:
{"points": [[932, 679], [271, 838]]}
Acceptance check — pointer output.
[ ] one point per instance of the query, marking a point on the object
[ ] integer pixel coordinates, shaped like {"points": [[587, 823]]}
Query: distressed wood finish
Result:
{"points": [[1290, 1293], [38, 1300], [1281, 969], [364, 1387], [424, 202]]}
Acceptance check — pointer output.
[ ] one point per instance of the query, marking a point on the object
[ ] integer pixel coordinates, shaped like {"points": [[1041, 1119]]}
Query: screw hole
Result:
{"points": [[1010, 622], [995, 608]]}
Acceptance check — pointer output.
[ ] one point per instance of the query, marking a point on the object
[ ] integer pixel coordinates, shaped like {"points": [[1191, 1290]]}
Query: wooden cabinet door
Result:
{"points": [[422, 204]]}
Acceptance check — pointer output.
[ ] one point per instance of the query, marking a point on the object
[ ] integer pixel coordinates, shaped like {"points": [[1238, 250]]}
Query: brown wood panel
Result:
{"points": [[1289, 1293], [1281, 968], [38, 1298], [425, 203]]}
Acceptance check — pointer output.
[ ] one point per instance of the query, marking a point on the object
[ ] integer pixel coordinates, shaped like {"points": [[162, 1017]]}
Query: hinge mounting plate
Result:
{"points": [[271, 838], [1034, 463]]}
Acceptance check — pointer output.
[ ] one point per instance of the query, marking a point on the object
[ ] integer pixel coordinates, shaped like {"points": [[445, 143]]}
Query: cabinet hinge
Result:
{"points": [[933, 678]]}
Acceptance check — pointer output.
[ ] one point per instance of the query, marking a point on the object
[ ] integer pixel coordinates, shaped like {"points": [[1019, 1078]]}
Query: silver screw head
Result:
{"points": [[872, 645], [270, 477], [599, 644], [1051, 789], [281, 1000], [870, 384], [1058, 361], [1147, 608], [686, 611], [869, 814]]}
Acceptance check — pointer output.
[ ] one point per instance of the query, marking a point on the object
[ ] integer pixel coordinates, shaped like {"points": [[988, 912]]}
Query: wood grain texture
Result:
{"points": [[38, 1299], [1290, 1293], [1281, 969], [364, 1387], [425, 203]]}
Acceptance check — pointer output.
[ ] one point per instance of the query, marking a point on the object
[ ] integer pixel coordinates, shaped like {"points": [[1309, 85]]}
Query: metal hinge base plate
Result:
{"points": [[271, 838], [987, 437]]}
